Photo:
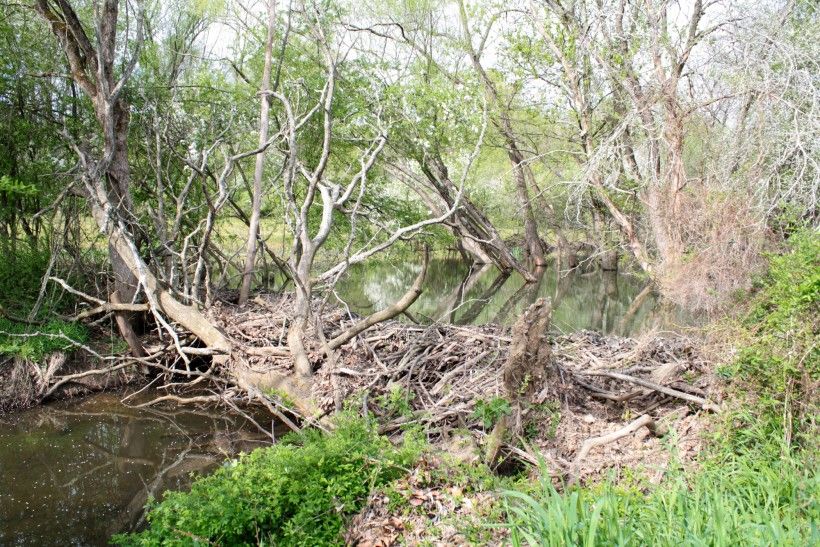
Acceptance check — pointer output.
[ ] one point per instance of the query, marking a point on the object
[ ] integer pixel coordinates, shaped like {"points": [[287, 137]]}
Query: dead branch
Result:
{"points": [[589, 444], [389, 312], [703, 403]]}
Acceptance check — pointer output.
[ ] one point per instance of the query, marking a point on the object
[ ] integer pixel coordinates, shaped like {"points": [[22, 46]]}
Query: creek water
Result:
{"points": [[454, 292], [76, 472]]}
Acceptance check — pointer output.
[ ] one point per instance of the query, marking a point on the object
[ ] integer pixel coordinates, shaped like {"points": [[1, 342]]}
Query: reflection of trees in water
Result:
{"points": [[456, 293], [88, 468], [480, 302]]}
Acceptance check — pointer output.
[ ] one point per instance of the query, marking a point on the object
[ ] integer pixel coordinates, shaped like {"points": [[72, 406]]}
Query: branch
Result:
{"points": [[592, 442], [703, 403], [389, 312]]}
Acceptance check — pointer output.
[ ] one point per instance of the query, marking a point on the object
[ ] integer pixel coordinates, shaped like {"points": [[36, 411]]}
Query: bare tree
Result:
{"points": [[259, 167]]}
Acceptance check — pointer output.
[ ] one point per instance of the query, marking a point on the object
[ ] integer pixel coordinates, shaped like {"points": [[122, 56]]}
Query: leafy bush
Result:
{"points": [[21, 274], [777, 370], [299, 492]]}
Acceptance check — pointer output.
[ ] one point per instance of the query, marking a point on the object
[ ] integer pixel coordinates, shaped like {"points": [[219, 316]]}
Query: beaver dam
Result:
{"points": [[584, 403], [570, 389]]}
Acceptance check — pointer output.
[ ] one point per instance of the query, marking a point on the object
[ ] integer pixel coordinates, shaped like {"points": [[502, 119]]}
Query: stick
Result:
{"points": [[703, 403], [592, 442]]}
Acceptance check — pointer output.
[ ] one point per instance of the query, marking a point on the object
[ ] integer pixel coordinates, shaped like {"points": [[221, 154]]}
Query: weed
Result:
{"points": [[397, 401], [489, 412], [299, 492]]}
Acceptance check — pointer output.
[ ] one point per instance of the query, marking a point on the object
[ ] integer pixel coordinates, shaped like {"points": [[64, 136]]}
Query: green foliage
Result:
{"points": [[281, 396], [489, 412], [779, 359], [10, 188], [296, 493], [34, 342], [397, 401], [542, 417], [21, 273]]}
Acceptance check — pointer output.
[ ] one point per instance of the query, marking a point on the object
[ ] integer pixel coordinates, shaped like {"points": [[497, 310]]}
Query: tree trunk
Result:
{"points": [[264, 109], [533, 247], [109, 192], [474, 229], [528, 370]]}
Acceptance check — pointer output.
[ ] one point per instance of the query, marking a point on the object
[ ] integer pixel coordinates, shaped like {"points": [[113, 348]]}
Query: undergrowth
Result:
{"points": [[21, 274], [299, 492], [34, 342], [757, 483]]}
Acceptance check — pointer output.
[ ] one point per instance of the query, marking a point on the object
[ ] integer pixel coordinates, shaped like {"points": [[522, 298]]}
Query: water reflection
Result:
{"points": [[74, 473], [608, 302]]}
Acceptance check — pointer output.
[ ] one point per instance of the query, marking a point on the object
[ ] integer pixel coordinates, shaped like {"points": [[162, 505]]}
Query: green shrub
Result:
{"points": [[21, 273], [779, 361], [489, 412], [299, 492], [34, 342]]}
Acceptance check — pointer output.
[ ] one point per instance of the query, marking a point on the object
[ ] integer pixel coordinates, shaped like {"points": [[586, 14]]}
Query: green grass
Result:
{"points": [[757, 483], [742, 501]]}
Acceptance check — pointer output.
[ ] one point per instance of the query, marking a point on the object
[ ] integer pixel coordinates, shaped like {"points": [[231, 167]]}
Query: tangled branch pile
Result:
{"points": [[448, 379]]}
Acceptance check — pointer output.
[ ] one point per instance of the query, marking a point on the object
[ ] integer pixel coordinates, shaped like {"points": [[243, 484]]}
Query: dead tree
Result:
{"points": [[259, 168], [475, 231], [528, 370]]}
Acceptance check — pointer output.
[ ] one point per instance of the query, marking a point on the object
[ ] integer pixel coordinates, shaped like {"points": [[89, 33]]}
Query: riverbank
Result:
{"points": [[455, 443]]}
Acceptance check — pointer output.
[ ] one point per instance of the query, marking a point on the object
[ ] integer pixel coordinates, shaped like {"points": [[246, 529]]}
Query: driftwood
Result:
{"points": [[589, 444]]}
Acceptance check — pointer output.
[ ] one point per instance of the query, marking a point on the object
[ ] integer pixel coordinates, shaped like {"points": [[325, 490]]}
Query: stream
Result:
{"points": [[608, 302], [76, 472]]}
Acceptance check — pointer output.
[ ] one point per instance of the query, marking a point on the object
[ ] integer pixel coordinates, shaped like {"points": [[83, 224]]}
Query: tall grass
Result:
{"points": [[740, 502]]}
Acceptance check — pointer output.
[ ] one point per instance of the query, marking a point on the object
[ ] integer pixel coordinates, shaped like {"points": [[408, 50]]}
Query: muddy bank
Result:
{"points": [[25, 382]]}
